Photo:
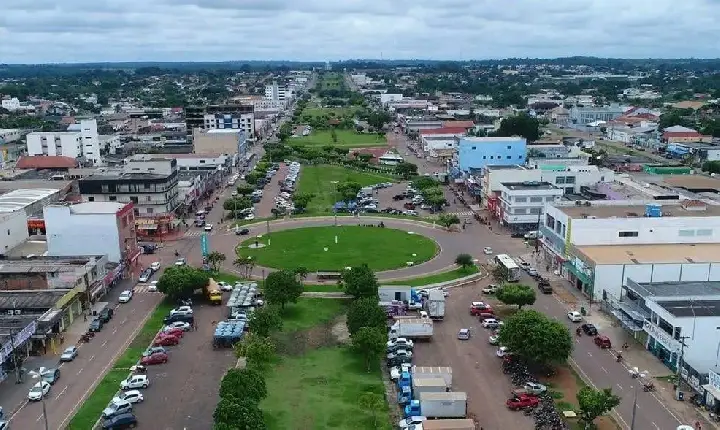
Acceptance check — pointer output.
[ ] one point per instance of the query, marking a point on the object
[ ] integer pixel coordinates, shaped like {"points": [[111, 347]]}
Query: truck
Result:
{"points": [[211, 291], [460, 424], [412, 329], [435, 304], [428, 385], [433, 372], [438, 405]]}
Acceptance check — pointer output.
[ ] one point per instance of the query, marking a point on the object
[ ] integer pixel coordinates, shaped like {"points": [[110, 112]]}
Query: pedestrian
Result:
{"points": [[697, 425]]}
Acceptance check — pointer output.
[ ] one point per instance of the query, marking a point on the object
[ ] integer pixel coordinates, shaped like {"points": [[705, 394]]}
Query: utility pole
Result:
{"points": [[677, 373]]}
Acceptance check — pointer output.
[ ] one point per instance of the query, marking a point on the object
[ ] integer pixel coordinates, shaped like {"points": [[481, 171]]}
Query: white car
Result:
{"points": [[250, 217], [491, 289], [208, 227], [117, 408], [180, 262], [178, 324], [410, 422], [125, 296], [38, 391], [144, 277], [534, 388], [487, 250], [397, 371], [400, 342], [502, 351], [532, 271], [134, 382], [224, 286], [574, 316], [494, 339], [491, 323], [182, 310], [234, 193], [153, 287], [132, 396], [155, 266]]}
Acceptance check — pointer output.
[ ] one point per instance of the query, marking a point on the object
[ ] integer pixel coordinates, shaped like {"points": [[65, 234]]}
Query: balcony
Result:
{"points": [[662, 336]]}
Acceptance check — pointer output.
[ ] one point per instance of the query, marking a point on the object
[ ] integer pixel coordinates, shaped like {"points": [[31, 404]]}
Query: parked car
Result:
{"points": [[157, 358], [50, 375], [400, 342], [491, 323], [155, 266], [400, 353], [396, 371], [166, 340], [502, 351], [208, 227], [574, 316], [69, 354], [132, 396], [134, 382], [38, 391], [464, 334], [125, 296], [106, 315], [411, 422], [487, 250], [182, 325], [477, 308], [490, 289], [173, 331], [95, 325], [145, 275], [522, 402], [120, 422], [178, 317], [154, 350], [116, 408], [153, 287], [180, 262], [182, 310], [532, 271], [589, 329], [242, 232], [494, 339]]}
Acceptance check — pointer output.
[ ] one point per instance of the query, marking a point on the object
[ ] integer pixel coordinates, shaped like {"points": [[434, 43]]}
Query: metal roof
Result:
{"points": [[20, 199]]}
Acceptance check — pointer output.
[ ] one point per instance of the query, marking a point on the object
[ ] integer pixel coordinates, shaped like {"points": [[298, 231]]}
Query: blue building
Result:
{"points": [[478, 152]]}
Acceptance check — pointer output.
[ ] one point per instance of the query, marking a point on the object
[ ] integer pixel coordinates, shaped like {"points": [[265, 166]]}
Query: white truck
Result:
{"points": [[435, 305], [428, 385], [411, 328], [444, 372], [443, 405], [461, 424]]}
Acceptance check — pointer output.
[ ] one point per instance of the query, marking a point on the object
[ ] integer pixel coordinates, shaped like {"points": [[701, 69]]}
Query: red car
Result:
{"points": [[478, 308], [177, 332], [157, 358], [521, 402], [165, 340]]}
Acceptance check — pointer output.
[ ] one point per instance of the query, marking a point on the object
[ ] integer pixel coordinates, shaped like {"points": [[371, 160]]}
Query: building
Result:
{"points": [[387, 98], [278, 93], [15, 224], [231, 142], [46, 162], [203, 162], [243, 122], [435, 139], [195, 115], [31, 201], [93, 228], [150, 183], [14, 105], [110, 143], [587, 115], [390, 159], [8, 135], [521, 204], [82, 142], [478, 152]]}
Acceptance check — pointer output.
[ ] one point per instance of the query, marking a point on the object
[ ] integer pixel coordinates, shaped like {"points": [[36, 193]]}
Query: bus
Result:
{"points": [[512, 270]]}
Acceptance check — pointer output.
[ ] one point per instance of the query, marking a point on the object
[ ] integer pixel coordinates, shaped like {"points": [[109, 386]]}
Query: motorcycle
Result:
{"points": [[618, 358]]}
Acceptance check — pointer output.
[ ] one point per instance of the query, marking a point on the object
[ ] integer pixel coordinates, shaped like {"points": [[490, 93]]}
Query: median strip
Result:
{"points": [[92, 407]]}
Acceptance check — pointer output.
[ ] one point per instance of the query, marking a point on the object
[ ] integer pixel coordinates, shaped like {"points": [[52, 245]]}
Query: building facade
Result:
{"points": [[195, 115], [243, 122], [520, 206], [14, 228], [587, 115], [478, 152], [220, 141], [278, 93], [83, 142], [8, 135]]}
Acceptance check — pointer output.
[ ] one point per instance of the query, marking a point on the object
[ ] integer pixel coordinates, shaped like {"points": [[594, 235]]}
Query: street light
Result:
{"points": [[639, 375], [38, 375]]}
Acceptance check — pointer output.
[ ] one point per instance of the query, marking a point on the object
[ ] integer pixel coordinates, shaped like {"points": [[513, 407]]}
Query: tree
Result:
{"points": [[360, 282], [264, 321], [448, 220], [238, 414], [348, 190], [301, 272], [282, 287], [245, 265], [593, 403], [215, 259], [245, 190], [370, 343], [536, 338], [365, 312], [516, 294], [374, 403], [180, 281], [301, 200], [520, 125], [333, 135], [465, 261], [237, 204], [406, 170], [425, 182], [434, 197], [500, 274], [243, 384], [257, 350]]}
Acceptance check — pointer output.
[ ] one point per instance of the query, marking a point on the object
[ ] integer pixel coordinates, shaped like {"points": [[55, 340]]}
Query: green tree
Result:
{"points": [[593, 403], [301, 200], [425, 182], [348, 190], [465, 261], [711, 166], [369, 342], [374, 403], [406, 170], [243, 384], [448, 220], [245, 190], [536, 338], [264, 321], [360, 281], [237, 204], [365, 312], [520, 125], [252, 178], [435, 198], [516, 294], [237, 414], [180, 281], [301, 272], [215, 259], [245, 265], [282, 287], [333, 135], [257, 350]]}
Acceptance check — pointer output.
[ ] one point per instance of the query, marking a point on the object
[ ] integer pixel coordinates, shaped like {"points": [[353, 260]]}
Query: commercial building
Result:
{"points": [[478, 152], [220, 141], [195, 115], [680, 134], [587, 115], [149, 182], [387, 98], [97, 228], [80, 142], [278, 93], [435, 139], [8, 135], [243, 122], [14, 226], [521, 204], [14, 105]]}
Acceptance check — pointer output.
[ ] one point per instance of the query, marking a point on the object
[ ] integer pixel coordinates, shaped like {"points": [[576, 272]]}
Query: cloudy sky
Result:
{"points": [[47, 31]]}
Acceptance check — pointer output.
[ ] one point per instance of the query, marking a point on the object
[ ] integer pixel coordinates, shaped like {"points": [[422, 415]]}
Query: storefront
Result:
{"points": [[36, 226], [17, 343], [158, 226]]}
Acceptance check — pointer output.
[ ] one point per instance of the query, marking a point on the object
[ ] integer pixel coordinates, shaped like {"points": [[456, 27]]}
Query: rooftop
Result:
{"points": [[693, 182], [45, 162], [675, 289], [492, 139], [686, 308], [529, 185], [118, 174], [20, 199], [97, 208], [676, 253], [599, 210], [443, 130], [36, 299], [44, 264]]}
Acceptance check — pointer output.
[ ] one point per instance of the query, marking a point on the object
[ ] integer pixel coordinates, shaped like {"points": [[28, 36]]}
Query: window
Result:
{"points": [[492, 157], [149, 210], [91, 199], [509, 147], [686, 233], [520, 157], [704, 232], [148, 198], [508, 157], [550, 199], [627, 234], [520, 211], [535, 211], [112, 198], [520, 199], [560, 180], [536, 199], [474, 147], [570, 180], [484, 157]]}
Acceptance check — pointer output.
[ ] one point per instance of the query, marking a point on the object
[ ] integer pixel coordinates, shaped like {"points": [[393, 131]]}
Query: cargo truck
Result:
{"points": [[412, 329], [439, 405], [433, 372], [435, 305], [428, 385], [462, 424]]}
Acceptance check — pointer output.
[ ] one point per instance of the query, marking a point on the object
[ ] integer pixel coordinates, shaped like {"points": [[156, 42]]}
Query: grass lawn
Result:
{"points": [[320, 390], [318, 111], [92, 408], [380, 248], [345, 138], [322, 182], [309, 312], [437, 278], [324, 288]]}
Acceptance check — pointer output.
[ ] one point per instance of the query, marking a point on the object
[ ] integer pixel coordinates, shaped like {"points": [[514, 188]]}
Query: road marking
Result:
{"points": [[589, 354], [123, 321], [22, 405], [61, 392], [91, 357], [105, 342], [604, 369], [619, 386], [114, 330], [79, 371], [587, 379], [132, 311], [656, 426], [39, 417], [61, 364]]}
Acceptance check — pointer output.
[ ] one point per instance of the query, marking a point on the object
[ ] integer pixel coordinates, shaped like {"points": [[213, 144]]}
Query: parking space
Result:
{"points": [[263, 209]]}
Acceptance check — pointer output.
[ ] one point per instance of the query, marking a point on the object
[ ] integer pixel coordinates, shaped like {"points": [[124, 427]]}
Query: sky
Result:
{"points": [[71, 31]]}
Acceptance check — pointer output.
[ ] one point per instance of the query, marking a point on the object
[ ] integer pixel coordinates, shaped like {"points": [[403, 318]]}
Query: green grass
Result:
{"points": [[438, 277], [322, 181], [379, 248], [309, 312], [345, 138], [328, 112], [320, 390], [92, 408], [325, 288]]}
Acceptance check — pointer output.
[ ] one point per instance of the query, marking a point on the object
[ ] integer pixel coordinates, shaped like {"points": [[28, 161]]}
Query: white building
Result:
{"points": [[14, 105], [387, 98], [8, 135], [81, 141], [359, 79], [521, 203], [243, 122], [14, 226], [278, 93], [111, 143]]}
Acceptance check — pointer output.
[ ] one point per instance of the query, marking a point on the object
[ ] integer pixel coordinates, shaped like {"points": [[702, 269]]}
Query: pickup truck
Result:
{"points": [[522, 402], [544, 286], [530, 389]]}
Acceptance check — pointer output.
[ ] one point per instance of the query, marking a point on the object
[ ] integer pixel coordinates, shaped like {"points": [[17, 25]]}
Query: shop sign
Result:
{"points": [[661, 336], [145, 221], [714, 380], [18, 339], [692, 380]]}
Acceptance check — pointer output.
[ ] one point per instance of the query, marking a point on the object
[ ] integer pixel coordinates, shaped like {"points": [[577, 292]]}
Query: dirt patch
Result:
{"points": [[301, 341], [565, 296], [565, 385], [340, 330]]}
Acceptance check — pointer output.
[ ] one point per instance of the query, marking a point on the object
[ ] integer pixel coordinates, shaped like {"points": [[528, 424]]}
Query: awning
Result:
{"points": [[712, 390], [147, 227]]}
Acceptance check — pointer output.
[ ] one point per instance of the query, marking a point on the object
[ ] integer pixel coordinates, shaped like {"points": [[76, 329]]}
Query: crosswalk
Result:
{"points": [[144, 288], [466, 213], [198, 233]]}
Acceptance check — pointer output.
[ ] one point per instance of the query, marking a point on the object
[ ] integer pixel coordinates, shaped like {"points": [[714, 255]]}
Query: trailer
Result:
{"points": [[228, 333], [439, 405], [435, 305], [461, 424], [388, 293], [433, 372], [428, 385], [412, 328]]}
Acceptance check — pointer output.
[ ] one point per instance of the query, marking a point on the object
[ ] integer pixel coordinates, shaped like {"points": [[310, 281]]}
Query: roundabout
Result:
{"points": [[332, 248]]}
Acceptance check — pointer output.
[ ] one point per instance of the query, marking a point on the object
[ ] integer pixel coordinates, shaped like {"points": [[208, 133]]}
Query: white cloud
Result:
{"points": [[218, 30]]}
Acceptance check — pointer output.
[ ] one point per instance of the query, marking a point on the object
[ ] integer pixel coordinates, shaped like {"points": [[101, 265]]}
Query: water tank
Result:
{"points": [[653, 210]]}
